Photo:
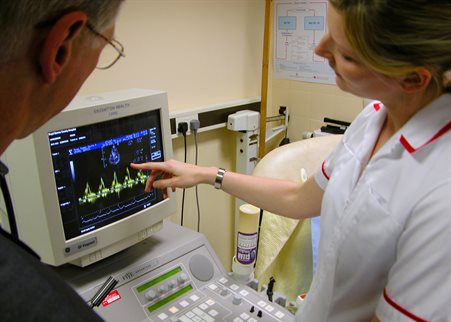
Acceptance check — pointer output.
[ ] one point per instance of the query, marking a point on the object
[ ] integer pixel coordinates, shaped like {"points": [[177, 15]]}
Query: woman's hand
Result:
{"points": [[175, 174]]}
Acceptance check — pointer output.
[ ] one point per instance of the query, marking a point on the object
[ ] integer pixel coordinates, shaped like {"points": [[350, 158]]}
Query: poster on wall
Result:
{"points": [[298, 28]]}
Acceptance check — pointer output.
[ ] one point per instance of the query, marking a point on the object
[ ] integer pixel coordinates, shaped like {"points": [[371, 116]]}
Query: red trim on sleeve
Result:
{"points": [[324, 170], [377, 106], [411, 149], [401, 309]]}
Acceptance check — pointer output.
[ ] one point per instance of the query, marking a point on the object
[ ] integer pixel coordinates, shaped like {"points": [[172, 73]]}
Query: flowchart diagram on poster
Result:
{"points": [[298, 28]]}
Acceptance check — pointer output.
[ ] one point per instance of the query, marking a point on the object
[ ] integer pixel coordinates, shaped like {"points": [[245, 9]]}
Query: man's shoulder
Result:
{"points": [[31, 282]]}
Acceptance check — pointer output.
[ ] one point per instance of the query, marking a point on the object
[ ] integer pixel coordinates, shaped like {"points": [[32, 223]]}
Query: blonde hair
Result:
{"points": [[394, 37]]}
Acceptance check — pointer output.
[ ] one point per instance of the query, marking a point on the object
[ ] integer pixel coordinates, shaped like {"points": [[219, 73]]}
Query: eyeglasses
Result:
{"points": [[110, 54]]}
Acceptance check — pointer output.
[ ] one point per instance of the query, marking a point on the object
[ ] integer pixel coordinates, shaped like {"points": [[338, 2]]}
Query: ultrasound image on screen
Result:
{"points": [[95, 183]]}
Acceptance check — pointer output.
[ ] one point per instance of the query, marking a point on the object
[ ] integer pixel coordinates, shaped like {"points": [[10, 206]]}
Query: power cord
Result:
{"points": [[194, 126], [183, 128], [8, 202], [14, 234]]}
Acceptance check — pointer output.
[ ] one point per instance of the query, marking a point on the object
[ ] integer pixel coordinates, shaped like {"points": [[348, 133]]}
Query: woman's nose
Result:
{"points": [[322, 49]]}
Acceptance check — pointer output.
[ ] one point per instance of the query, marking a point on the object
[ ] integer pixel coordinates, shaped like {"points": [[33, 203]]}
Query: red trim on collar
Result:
{"points": [[411, 149], [377, 106], [401, 309], [324, 170]]}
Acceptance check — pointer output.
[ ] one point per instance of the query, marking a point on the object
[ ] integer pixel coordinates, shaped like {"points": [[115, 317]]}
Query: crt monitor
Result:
{"points": [[75, 197]]}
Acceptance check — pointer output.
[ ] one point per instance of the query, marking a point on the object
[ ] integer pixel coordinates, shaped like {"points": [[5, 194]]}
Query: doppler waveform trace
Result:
{"points": [[116, 187], [110, 213]]}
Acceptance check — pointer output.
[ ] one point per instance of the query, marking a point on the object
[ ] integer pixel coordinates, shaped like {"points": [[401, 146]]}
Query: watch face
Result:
{"points": [[219, 178]]}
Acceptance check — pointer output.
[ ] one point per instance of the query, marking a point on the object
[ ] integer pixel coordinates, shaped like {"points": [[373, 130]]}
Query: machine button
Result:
{"points": [[184, 303], [280, 315], [236, 300], [244, 316], [173, 309], [269, 308], [172, 284], [194, 297], [163, 289], [253, 284], [224, 292], [150, 295], [182, 278]]}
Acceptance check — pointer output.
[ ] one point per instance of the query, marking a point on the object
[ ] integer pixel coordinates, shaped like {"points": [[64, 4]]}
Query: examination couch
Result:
{"points": [[285, 244]]}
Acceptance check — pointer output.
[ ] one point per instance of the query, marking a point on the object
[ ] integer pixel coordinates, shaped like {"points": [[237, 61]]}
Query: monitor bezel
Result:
{"points": [[83, 111]]}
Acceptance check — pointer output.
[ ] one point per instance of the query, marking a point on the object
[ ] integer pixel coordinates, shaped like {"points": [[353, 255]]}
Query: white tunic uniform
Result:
{"points": [[385, 245]]}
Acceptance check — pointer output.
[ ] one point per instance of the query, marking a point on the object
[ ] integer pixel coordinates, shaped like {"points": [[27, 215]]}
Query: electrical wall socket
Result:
{"points": [[187, 119]]}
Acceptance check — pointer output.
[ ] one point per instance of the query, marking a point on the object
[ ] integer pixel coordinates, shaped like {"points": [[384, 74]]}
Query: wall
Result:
{"points": [[202, 53], [309, 103], [216, 207]]}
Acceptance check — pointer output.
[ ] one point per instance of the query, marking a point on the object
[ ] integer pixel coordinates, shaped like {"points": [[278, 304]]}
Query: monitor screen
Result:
{"points": [[75, 196], [95, 183]]}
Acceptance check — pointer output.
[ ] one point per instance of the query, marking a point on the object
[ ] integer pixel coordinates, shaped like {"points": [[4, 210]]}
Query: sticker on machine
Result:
{"points": [[112, 297]]}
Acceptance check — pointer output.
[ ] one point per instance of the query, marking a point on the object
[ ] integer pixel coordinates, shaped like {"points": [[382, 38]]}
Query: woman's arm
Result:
{"points": [[283, 197]]}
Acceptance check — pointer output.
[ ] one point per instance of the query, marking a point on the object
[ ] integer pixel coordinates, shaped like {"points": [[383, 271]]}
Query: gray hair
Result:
{"points": [[396, 36], [18, 19]]}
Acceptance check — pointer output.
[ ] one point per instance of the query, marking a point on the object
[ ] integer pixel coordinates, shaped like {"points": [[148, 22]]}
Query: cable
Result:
{"points": [[270, 291], [8, 202], [283, 110], [197, 192], [14, 233], [183, 128], [194, 126]]}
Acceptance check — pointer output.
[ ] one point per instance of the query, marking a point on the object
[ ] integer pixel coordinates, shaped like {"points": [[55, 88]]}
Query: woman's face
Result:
{"points": [[352, 75]]}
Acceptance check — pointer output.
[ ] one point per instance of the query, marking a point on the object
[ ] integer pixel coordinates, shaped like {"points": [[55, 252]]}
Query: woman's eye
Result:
{"points": [[348, 58]]}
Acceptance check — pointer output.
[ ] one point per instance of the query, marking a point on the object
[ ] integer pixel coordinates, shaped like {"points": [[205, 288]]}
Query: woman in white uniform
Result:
{"points": [[384, 194]]}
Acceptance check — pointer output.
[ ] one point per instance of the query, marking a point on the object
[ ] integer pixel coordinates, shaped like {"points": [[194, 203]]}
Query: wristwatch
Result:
{"points": [[219, 177]]}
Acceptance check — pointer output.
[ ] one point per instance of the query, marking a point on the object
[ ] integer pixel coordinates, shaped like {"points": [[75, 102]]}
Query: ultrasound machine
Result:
{"points": [[83, 209]]}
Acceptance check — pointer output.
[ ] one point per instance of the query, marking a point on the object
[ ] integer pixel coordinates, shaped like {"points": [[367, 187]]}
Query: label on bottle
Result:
{"points": [[246, 248]]}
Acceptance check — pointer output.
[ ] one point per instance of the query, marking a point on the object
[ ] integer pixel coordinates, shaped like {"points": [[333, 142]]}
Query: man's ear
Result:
{"points": [[416, 81], [58, 44]]}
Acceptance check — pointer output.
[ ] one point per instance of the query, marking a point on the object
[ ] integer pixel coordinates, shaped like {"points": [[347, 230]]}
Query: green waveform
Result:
{"points": [[116, 187]]}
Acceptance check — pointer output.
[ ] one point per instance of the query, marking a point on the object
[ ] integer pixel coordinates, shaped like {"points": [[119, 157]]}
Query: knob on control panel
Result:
{"points": [[182, 278], [172, 284], [236, 300], [150, 295], [163, 288]]}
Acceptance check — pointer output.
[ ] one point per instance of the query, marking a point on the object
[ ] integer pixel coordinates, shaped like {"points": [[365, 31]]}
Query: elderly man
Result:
{"points": [[48, 49]]}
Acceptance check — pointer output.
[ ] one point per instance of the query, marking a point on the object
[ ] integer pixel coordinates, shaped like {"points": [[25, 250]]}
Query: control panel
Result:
{"points": [[172, 276]]}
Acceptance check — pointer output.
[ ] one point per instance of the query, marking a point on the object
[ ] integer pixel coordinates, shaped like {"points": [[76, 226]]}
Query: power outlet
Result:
{"points": [[187, 119]]}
